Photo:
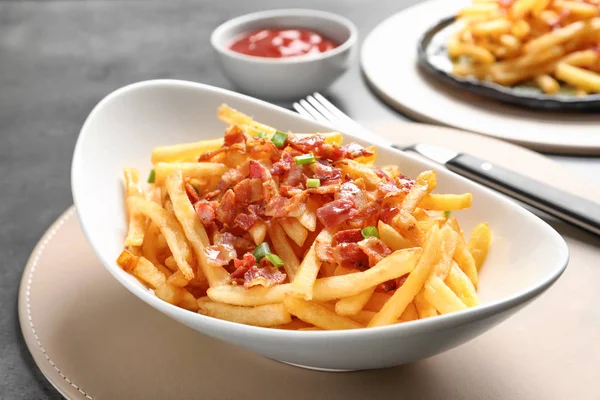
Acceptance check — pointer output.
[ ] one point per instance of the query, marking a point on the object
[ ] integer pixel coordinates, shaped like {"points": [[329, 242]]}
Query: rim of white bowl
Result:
{"points": [[440, 322], [218, 44]]}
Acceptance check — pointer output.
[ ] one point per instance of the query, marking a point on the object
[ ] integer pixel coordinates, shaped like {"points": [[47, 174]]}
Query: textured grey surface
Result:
{"points": [[58, 59]]}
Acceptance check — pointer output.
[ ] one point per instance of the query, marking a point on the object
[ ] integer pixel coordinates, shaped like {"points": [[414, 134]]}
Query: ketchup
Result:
{"points": [[279, 43]]}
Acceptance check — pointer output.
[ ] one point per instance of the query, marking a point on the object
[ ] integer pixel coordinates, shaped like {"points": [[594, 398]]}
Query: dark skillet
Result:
{"points": [[433, 59]]}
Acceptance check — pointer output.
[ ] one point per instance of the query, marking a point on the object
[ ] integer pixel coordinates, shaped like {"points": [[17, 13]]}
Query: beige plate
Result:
{"points": [[93, 339], [389, 60]]}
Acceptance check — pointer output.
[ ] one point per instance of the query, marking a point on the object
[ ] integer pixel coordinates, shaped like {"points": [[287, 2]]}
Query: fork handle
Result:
{"points": [[573, 209]]}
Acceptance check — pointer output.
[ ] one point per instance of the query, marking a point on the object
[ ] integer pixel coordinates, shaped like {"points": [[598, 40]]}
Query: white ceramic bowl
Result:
{"points": [[285, 78], [526, 256]]}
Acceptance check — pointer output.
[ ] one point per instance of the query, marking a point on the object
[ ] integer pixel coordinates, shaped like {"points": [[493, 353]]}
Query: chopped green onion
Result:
{"points": [[274, 259], [305, 159], [279, 139], [447, 214], [370, 231], [261, 135], [313, 183], [261, 251], [195, 188], [152, 177]]}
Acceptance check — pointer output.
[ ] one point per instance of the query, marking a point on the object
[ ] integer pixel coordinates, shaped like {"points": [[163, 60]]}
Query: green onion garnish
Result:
{"points": [[369, 231], [274, 259], [279, 139], [305, 159], [261, 251], [152, 176], [261, 135], [447, 214], [313, 183], [195, 188]]}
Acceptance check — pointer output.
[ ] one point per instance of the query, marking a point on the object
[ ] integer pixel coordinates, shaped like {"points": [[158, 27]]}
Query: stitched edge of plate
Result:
{"points": [[46, 240]]}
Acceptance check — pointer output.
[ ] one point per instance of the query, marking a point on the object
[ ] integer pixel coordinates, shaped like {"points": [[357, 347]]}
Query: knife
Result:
{"points": [[567, 207]]}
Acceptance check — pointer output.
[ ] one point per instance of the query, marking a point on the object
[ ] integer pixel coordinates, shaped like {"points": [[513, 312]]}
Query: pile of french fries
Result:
{"points": [[543, 41], [165, 249]]}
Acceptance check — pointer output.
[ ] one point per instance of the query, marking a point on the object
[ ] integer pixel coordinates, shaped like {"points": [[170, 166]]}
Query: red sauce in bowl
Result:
{"points": [[280, 43]]}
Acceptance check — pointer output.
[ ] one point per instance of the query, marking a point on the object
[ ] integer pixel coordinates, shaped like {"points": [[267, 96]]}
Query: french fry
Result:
{"points": [[284, 250], [477, 53], [150, 245], [169, 293], [583, 58], [521, 7], [362, 317], [577, 9], [555, 37], [424, 308], [446, 202], [483, 9], [171, 264], [318, 315], [462, 286], [294, 229], [255, 296], [520, 29], [308, 219], [351, 305], [391, 237], [368, 159], [462, 255], [407, 225], [265, 315], [395, 306], [424, 184], [177, 279], [258, 232], [148, 273], [184, 152], [194, 231], [170, 228], [194, 170], [393, 266], [294, 325], [327, 269], [302, 286], [137, 222], [548, 84], [478, 244], [377, 301], [234, 117], [578, 77], [188, 301], [493, 27], [127, 261], [410, 313], [441, 297], [357, 170]]}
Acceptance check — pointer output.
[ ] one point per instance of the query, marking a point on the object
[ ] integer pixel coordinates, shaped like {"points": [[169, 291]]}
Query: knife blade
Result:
{"points": [[565, 206]]}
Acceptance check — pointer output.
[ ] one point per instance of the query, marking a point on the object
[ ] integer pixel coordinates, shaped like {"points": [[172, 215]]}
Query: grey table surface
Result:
{"points": [[59, 58]]}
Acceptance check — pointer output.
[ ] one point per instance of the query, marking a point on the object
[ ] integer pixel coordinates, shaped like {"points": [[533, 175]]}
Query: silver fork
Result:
{"points": [[569, 208], [318, 108]]}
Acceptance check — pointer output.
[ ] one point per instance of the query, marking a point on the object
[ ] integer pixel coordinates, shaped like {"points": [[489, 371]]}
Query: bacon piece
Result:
{"points": [[243, 265], [400, 281], [265, 150], [354, 150], [235, 136], [234, 176], [206, 211], [405, 183], [387, 285], [223, 251], [227, 211], [210, 195], [347, 236], [325, 189], [245, 221], [258, 171], [324, 251], [266, 276], [308, 144], [248, 191], [349, 255], [388, 189], [283, 165], [375, 249], [294, 176], [209, 155], [387, 213], [191, 192], [257, 209], [325, 171], [336, 212], [283, 207]]}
